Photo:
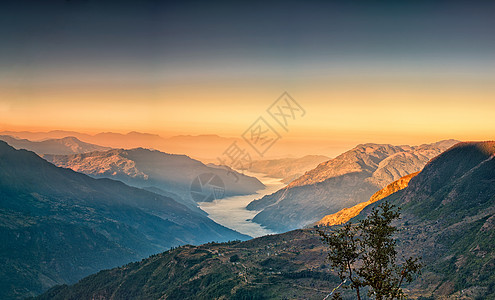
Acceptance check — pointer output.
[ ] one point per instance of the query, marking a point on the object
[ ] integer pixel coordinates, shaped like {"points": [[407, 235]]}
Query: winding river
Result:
{"points": [[232, 213]]}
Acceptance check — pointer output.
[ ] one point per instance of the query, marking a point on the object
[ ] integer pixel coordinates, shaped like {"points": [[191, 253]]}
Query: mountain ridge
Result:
{"points": [[145, 168], [449, 209], [78, 225], [65, 145], [211, 145], [344, 181]]}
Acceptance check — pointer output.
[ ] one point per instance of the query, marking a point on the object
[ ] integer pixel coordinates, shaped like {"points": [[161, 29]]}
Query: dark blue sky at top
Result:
{"points": [[43, 35]]}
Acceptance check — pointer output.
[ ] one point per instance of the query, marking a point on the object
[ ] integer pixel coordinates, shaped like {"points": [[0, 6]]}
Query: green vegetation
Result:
{"points": [[264, 268], [365, 255]]}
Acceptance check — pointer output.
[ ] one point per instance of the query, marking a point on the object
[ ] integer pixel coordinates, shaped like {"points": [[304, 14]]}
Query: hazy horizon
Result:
{"points": [[210, 146], [399, 73]]}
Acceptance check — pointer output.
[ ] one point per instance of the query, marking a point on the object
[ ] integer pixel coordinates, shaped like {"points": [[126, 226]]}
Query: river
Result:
{"points": [[231, 212]]}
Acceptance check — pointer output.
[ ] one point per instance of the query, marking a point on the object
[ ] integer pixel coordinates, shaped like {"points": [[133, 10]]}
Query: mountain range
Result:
{"points": [[206, 147], [57, 225], [169, 174], [108, 139], [65, 145], [447, 219], [342, 182]]}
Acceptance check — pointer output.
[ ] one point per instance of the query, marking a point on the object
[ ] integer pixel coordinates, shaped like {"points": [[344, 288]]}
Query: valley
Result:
{"points": [[247, 150], [231, 211], [447, 219], [128, 223], [77, 225]]}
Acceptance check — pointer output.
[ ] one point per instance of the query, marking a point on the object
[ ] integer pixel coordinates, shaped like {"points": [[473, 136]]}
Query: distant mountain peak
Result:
{"points": [[65, 145], [70, 138], [136, 133]]}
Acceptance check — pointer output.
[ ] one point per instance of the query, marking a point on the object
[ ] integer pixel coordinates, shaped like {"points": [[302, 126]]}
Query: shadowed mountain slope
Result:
{"points": [[58, 226]]}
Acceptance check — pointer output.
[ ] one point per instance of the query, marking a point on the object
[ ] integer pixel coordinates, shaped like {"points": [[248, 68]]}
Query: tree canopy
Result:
{"points": [[365, 255]]}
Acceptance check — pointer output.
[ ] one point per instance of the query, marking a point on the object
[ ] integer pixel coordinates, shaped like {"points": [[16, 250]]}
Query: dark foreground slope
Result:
{"points": [[448, 218], [449, 209], [57, 226], [285, 266]]}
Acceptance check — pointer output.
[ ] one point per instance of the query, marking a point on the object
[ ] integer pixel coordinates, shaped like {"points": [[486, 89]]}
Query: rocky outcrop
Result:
{"points": [[346, 214]]}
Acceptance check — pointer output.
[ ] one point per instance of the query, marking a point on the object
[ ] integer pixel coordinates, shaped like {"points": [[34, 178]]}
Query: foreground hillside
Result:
{"points": [[449, 210], [281, 266], [448, 218], [349, 179], [58, 226]]}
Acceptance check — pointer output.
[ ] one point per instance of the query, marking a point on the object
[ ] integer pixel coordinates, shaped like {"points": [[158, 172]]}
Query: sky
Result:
{"points": [[402, 72]]}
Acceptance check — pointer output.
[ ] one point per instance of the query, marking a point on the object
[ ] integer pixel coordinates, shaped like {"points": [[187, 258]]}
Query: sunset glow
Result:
{"points": [[387, 87]]}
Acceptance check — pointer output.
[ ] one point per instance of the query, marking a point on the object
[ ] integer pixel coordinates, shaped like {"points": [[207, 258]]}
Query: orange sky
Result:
{"points": [[368, 109], [400, 73]]}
